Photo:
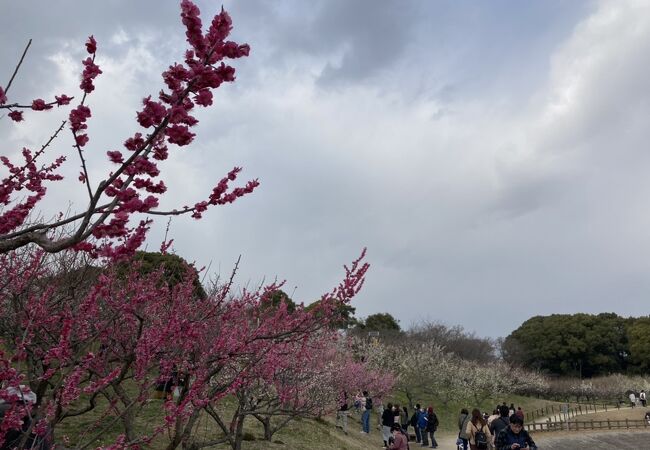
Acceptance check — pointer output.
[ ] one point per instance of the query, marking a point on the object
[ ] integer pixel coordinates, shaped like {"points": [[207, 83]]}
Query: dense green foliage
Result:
{"points": [[638, 335], [582, 345], [380, 322], [344, 314], [277, 297], [174, 267]]}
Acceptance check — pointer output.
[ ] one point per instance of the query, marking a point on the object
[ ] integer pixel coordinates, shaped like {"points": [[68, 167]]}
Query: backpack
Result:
{"points": [[414, 419], [369, 404], [480, 438]]}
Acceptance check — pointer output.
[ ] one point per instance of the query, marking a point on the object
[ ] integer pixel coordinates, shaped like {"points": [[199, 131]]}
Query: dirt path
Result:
{"points": [[593, 440], [607, 440]]}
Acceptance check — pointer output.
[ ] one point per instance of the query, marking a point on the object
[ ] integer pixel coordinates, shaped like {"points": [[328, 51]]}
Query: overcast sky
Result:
{"points": [[492, 156]]}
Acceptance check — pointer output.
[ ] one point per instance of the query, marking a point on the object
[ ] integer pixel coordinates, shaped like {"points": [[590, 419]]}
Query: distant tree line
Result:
{"points": [[581, 345]]}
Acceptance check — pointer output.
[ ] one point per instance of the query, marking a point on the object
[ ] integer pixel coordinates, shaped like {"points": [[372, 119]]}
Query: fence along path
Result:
{"points": [[559, 413], [607, 424]]}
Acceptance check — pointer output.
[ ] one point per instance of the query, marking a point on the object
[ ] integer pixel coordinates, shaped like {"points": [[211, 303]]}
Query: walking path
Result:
{"points": [[593, 440]]}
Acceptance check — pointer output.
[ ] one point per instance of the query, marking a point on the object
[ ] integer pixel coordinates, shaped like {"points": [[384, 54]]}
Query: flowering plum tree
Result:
{"points": [[80, 334], [75, 341], [425, 369], [310, 383], [135, 184]]}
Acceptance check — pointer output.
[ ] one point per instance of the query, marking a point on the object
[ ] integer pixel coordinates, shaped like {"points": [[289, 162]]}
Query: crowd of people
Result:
{"points": [[501, 430]]}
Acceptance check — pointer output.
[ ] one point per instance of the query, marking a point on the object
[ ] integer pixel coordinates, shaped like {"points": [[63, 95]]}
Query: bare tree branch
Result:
{"points": [[6, 89]]}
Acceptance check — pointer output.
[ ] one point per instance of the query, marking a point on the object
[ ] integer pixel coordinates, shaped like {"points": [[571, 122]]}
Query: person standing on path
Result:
{"points": [[404, 418], [478, 432], [432, 426], [387, 421], [423, 420], [463, 420], [400, 441], [642, 398], [414, 423]]}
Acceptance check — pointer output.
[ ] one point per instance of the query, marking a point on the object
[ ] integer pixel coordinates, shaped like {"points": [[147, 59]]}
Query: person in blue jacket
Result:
{"points": [[422, 425]]}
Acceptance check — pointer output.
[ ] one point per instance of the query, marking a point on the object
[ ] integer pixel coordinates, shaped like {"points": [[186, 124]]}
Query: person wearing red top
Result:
{"points": [[400, 441]]}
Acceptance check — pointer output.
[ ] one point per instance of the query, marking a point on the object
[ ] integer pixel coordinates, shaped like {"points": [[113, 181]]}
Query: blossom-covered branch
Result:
{"points": [[135, 186]]}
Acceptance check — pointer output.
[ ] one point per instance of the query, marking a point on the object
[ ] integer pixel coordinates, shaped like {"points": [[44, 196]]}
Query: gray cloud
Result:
{"points": [[492, 157]]}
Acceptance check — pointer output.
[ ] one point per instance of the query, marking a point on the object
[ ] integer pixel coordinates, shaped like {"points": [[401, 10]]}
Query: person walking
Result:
{"points": [[514, 436], [632, 399], [501, 422], [478, 431], [520, 412], [463, 420], [642, 397]]}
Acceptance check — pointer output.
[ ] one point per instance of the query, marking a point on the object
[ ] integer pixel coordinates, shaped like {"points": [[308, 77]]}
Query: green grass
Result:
{"points": [[300, 434], [297, 435]]}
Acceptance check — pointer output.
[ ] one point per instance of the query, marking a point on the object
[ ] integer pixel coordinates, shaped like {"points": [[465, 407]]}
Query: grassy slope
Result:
{"points": [[303, 434], [622, 414]]}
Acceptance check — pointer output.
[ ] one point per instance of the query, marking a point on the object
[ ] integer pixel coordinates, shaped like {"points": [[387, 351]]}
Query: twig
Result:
{"points": [[83, 166], [18, 66], [78, 147], [38, 153]]}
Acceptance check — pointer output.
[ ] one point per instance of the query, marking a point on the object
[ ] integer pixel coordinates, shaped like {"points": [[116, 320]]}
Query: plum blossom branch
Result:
{"points": [[132, 187]]}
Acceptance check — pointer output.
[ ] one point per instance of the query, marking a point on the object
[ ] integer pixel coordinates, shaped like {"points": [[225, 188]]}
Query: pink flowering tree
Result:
{"points": [[308, 383], [79, 334], [87, 334], [120, 205]]}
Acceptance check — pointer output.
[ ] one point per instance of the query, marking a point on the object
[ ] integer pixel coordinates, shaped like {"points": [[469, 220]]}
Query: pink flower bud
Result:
{"points": [[62, 99], [91, 45], [16, 116], [40, 105]]}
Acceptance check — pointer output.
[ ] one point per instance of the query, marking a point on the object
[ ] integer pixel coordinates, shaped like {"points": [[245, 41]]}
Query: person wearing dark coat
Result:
{"points": [[514, 437], [432, 426], [501, 422], [387, 421]]}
